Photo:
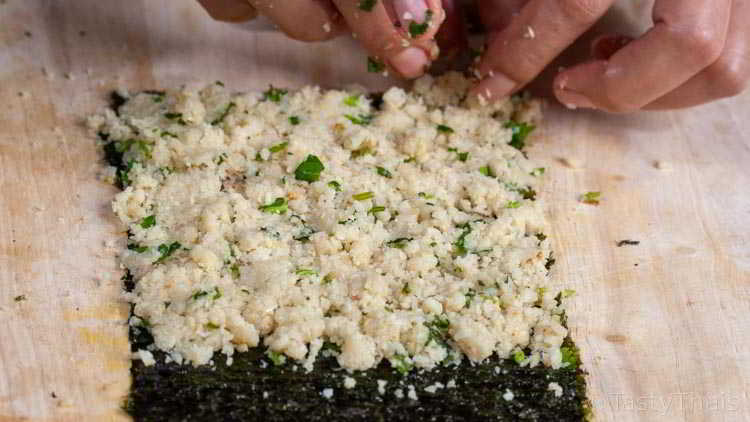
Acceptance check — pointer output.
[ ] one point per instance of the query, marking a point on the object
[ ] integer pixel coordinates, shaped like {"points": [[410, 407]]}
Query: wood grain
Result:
{"points": [[664, 325]]}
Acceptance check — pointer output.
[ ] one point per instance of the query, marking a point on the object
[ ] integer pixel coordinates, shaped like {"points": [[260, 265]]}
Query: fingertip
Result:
{"points": [[410, 62], [495, 86]]}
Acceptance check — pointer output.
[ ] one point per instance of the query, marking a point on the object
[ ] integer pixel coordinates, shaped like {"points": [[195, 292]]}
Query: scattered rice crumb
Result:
{"points": [[381, 386], [399, 393], [349, 382], [556, 388], [508, 395], [412, 393], [327, 27], [451, 384], [327, 393]]}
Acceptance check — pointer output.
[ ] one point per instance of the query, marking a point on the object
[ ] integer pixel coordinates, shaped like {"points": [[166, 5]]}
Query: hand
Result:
{"points": [[392, 31], [697, 51]]}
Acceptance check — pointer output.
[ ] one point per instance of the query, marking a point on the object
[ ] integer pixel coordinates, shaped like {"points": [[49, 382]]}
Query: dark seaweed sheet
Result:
{"points": [[252, 388]]}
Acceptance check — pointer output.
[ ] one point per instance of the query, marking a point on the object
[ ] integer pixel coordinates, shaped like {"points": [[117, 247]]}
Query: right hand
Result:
{"points": [[392, 31]]}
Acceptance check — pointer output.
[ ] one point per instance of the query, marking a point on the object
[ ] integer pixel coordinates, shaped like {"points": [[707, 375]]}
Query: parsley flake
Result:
{"points": [[309, 170], [278, 206]]}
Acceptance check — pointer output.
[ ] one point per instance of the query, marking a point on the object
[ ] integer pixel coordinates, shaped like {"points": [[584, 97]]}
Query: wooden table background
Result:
{"points": [[664, 326]]}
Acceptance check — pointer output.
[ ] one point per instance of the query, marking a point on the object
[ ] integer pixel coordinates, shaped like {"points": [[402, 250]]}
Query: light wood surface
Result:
{"points": [[664, 326]]}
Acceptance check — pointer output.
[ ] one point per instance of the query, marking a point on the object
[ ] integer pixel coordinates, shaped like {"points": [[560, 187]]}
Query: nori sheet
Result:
{"points": [[253, 388]]}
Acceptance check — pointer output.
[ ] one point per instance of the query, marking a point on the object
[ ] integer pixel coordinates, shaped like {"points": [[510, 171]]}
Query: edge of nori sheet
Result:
{"points": [[253, 388]]}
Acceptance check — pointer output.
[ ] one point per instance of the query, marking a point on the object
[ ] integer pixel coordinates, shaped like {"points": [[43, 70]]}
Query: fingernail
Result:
{"points": [[410, 10], [496, 85], [573, 100], [410, 63]]}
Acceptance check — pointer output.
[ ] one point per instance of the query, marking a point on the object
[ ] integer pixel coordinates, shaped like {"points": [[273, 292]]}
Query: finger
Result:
{"points": [[451, 37], [400, 34], [726, 77], [303, 20], [540, 32], [605, 46], [688, 35], [229, 10], [497, 14]]}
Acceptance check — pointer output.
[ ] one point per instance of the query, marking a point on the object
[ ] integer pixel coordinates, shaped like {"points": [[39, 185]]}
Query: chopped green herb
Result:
{"points": [[158, 97], [591, 198], [628, 242], [425, 195], [401, 363], [177, 117], [309, 170], [438, 331], [352, 100], [367, 5], [306, 272], [199, 294], [220, 83], [538, 171], [513, 204], [374, 65], [137, 248], [277, 358], [567, 293], [19, 298], [363, 196], [278, 206], [223, 114], [361, 152], [463, 156], [520, 132], [165, 133], [328, 278], [217, 293], [149, 221], [222, 157], [470, 294], [399, 243], [460, 244], [274, 94], [528, 193], [124, 146], [294, 120], [519, 356], [541, 236], [335, 185], [410, 160], [383, 172], [376, 209], [167, 250], [444, 129], [406, 289], [212, 326], [361, 119], [417, 29], [278, 147], [487, 171], [569, 356], [235, 270]]}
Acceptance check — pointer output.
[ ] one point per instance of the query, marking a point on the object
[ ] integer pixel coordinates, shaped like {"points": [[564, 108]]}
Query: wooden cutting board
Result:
{"points": [[664, 326]]}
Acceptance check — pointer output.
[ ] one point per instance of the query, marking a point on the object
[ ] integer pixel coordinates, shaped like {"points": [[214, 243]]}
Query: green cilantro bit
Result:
{"points": [[235, 270], [277, 358], [567, 293], [294, 120], [212, 326], [541, 236], [305, 272], [628, 242], [19, 298], [199, 294], [223, 114], [569, 357], [438, 331], [328, 278], [513, 204], [137, 248], [444, 129], [124, 146], [520, 132], [167, 250], [166, 133], [460, 244], [487, 171], [410, 160], [519, 356], [417, 29], [220, 83], [352, 100], [406, 289], [361, 119], [149, 221], [374, 65], [361, 152], [367, 5], [363, 196], [309, 170], [177, 117], [278, 147], [528, 193], [335, 185], [401, 364], [158, 96], [278, 206], [425, 195], [399, 243], [217, 293], [591, 198], [538, 171], [470, 294], [383, 172], [222, 157], [376, 209], [274, 94], [463, 156]]}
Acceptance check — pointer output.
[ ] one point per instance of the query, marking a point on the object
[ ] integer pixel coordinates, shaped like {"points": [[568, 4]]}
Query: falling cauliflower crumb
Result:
{"points": [[381, 386], [327, 393], [412, 394], [146, 357], [508, 395], [349, 382]]}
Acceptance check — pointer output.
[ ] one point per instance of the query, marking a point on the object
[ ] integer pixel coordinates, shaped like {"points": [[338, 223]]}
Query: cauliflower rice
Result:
{"points": [[403, 232]]}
